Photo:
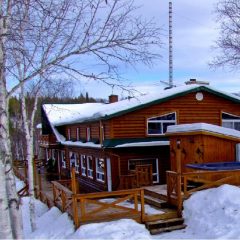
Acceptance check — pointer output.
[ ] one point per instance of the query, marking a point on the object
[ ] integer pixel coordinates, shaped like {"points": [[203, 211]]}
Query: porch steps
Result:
{"points": [[155, 194], [156, 202], [165, 225]]}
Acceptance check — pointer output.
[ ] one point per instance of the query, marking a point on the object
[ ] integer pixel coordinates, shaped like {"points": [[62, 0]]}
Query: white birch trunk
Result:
{"points": [[9, 203], [28, 129]]}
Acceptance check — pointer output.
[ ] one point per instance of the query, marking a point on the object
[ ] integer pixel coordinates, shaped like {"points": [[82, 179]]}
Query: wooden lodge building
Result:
{"points": [[107, 142]]}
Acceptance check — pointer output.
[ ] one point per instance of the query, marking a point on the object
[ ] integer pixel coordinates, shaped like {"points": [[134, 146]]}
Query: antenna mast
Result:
{"points": [[170, 47]]}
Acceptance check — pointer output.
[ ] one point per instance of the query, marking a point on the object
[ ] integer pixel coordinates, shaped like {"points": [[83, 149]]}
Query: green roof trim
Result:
{"points": [[110, 143], [180, 94]]}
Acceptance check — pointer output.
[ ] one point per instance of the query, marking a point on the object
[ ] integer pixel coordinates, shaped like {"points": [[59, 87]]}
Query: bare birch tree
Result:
{"points": [[228, 43], [85, 39]]}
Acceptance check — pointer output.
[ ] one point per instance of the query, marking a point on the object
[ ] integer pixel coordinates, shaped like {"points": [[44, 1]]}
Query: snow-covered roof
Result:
{"points": [[60, 114], [196, 127]]}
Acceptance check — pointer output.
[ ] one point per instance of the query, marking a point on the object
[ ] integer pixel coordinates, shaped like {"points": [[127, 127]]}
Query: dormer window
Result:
{"points": [[69, 134], [88, 133], [231, 121], [158, 125], [78, 134]]}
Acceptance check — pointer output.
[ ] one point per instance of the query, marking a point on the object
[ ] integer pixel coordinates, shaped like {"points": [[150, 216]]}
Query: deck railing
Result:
{"points": [[181, 186]]}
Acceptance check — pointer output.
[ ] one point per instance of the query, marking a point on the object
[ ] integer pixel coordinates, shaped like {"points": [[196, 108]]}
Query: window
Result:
{"points": [[78, 134], [83, 165], [63, 159], [90, 166], [231, 121], [69, 134], [88, 134], [74, 161], [153, 161], [100, 169], [158, 125]]}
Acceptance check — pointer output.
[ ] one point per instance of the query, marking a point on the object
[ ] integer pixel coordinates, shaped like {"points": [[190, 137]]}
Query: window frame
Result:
{"points": [[100, 173], [63, 159], [83, 168], [160, 122], [233, 121], [89, 170]]}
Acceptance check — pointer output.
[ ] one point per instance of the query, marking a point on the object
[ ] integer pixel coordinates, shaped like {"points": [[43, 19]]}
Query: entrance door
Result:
{"points": [[153, 161]]}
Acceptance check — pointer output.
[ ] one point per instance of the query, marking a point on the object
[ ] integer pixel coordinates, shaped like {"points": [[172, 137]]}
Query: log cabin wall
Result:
{"points": [[161, 153], [201, 148], [94, 129], [188, 109], [91, 184]]}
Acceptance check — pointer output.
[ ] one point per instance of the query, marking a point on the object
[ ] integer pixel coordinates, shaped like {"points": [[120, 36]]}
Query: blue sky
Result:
{"points": [[194, 31]]}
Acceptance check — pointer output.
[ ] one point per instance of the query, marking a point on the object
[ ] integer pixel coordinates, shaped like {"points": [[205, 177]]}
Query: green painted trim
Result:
{"points": [[109, 143]]}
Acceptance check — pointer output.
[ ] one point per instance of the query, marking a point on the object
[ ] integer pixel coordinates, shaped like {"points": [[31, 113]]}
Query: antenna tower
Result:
{"points": [[170, 47]]}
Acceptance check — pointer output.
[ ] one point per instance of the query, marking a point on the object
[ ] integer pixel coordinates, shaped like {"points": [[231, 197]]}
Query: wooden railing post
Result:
{"points": [[142, 205], [74, 199], [73, 181], [63, 198], [179, 183]]}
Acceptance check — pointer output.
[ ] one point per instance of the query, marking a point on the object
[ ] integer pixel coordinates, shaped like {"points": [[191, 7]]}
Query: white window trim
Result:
{"points": [[83, 169], [63, 159], [142, 159], [89, 170], [100, 172], [161, 121]]}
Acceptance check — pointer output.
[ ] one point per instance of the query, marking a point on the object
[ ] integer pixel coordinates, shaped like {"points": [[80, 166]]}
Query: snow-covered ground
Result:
{"points": [[209, 214]]}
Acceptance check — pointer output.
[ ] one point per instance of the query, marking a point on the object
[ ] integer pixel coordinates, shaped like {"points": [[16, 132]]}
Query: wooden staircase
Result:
{"points": [[168, 220], [165, 225]]}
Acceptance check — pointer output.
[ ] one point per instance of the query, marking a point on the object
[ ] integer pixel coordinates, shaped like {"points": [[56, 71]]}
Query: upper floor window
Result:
{"points": [[158, 125], [231, 121], [88, 133], [78, 134], [69, 134]]}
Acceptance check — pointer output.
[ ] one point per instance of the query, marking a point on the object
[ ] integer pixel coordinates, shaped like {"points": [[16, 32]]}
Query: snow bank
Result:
{"points": [[216, 212], [122, 229], [211, 214], [53, 225]]}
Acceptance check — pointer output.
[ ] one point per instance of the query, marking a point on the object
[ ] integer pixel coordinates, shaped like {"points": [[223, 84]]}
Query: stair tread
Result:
{"points": [[167, 229], [170, 220], [154, 198]]}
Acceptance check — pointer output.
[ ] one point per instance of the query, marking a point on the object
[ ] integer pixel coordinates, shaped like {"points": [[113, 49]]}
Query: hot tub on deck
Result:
{"points": [[215, 166]]}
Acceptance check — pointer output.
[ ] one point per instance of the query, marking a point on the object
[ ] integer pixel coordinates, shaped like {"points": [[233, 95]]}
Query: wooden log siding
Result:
{"points": [[95, 130], [202, 148], [92, 184], [188, 109]]}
